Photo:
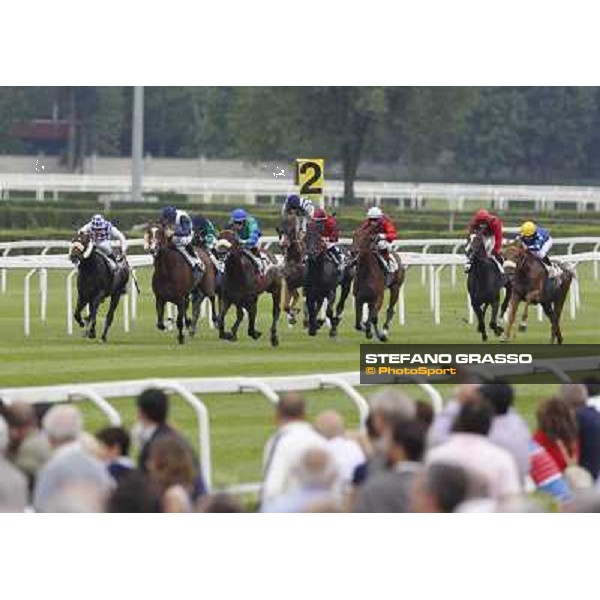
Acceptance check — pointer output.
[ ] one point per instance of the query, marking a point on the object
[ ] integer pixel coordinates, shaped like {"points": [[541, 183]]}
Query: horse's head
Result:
{"points": [[315, 245], [475, 246], [514, 255], [81, 248], [289, 231], [227, 243], [155, 237], [365, 238]]}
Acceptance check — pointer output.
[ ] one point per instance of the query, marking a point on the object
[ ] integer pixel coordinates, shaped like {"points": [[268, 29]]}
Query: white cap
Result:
{"points": [[374, 212]]}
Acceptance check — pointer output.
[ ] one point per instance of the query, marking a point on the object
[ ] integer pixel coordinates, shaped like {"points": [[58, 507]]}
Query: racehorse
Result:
{"points": [[172, 281], [294, 268], [321, 283], [484, 283], [532, 284], [370, 283], [95, 283], [241, 286]]}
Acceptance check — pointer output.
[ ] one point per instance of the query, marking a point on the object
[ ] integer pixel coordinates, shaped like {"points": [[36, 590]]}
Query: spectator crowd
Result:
{"points": [[477, 455]]}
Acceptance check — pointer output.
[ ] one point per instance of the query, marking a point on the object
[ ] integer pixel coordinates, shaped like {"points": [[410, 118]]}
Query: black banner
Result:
{"points": [[459, 363]]}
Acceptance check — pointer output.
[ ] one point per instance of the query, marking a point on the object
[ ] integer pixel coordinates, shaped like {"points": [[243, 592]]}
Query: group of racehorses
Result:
{"points": [[308, 270], [526, 279]]}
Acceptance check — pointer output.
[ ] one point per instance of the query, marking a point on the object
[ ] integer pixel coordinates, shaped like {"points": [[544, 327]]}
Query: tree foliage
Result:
{"points": [[530, 134]]}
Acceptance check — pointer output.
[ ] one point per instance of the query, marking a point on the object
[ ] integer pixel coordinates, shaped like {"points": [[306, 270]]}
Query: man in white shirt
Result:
{"points": [[346, 452], [285, 449], [469, 447]]}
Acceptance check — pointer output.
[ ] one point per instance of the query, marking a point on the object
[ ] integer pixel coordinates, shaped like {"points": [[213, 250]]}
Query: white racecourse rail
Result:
{"points": [[432, 264], [190, 391], [455, 194]]}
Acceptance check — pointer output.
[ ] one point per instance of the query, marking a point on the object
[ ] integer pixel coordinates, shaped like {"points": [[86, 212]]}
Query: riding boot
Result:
{"points": [[258, 261]]}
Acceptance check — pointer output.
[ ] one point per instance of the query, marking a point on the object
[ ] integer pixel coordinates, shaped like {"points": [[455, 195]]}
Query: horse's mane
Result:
{"points": [[362, 240]]}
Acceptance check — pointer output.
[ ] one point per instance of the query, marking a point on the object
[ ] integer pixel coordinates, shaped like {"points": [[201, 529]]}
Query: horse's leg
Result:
{"points": [[293, 309], [77, 314], [225, 304], [94, 305], [524, 318], [389, 317], [213, 308], [197, 299], [358, 308], [497, 329], [186, 319], [375, 318], [160, 313], [333, 319], [311, 304], [276, 311], [252, 310], [319, 306], [558, 308], [507, 294], [549, 310], [181, 305], [239, 317], [346, 285], [512, 315], [480, 313], [114, 302]]}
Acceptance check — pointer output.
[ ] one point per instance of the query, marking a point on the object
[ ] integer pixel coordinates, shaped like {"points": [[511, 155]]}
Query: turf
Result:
{"points": [[240, 423]]}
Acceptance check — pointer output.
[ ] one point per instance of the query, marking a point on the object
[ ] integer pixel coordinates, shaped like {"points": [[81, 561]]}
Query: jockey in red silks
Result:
{"points": [[386, 230], [330, 234], [491, 226]]}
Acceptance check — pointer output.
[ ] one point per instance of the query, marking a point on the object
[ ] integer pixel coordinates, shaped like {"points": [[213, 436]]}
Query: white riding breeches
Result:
{"points": [[105, 247], [544, 249], [183, 240]]}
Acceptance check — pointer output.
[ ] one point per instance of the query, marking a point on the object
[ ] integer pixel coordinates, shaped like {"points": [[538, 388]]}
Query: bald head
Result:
{"points": [[63, 424], [330, 424], [316, 469], [291, 407]]}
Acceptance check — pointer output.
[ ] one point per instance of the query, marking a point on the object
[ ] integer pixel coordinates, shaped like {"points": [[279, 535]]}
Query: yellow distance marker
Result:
{"points": [[310, 177]]}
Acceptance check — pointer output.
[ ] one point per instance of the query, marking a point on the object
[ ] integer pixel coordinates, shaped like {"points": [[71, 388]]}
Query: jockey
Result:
{"points": [[102, 233], [387, 234], [302, 207], [248, 232], [537, 240], [328, 228], [205, 234], [491, 225], [179, 225]]}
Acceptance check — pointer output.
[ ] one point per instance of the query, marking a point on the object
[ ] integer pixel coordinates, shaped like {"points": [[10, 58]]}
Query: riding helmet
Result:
{"points": [[239, 215], [374, 213], [319, 215], [98, 222], [528, 229], [198, 221], [169, 213], [293, 201]]}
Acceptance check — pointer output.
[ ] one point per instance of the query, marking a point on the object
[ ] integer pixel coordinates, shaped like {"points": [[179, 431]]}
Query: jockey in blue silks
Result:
{"points": [[302, 207], [537, 240], [178, 227]]}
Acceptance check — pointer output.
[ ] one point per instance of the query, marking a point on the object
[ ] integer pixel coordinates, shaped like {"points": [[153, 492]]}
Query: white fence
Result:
{"points": [[454, 194], [432, 266]]}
